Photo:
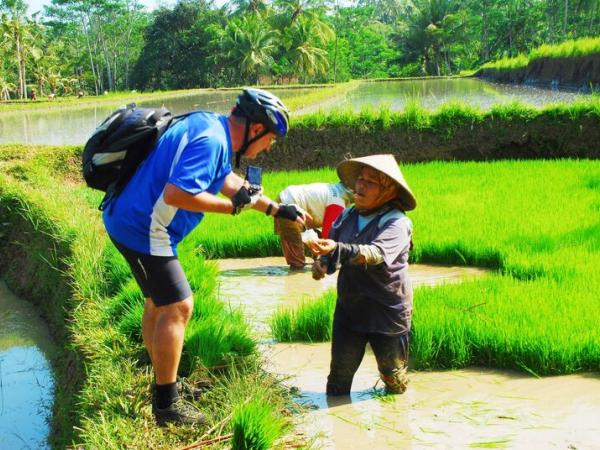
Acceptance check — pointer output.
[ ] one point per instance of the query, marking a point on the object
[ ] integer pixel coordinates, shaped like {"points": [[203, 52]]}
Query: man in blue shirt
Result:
{"points": [[163, 202]]}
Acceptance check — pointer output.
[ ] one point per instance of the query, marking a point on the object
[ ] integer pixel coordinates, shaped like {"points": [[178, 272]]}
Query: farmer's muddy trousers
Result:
{"points": [[348, 349]]}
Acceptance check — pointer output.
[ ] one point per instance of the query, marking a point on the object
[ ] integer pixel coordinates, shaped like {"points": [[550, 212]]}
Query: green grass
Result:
{"points": [[568, 49], [309, 322], [254, 426], [534, 222], [537, 224], [61, 258]]}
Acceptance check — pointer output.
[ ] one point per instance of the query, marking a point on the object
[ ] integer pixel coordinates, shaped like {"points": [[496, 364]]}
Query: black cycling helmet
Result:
{"points": [[259, 106]]}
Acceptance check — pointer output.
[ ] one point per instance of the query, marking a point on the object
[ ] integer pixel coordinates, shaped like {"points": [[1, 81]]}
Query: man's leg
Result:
{"points": [[291, 242], [167, 310], [347, 351], [391, 353], [167, 338]]}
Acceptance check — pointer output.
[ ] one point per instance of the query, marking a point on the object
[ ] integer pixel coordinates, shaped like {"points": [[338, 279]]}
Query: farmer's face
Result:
{"points": [[368, 191]]}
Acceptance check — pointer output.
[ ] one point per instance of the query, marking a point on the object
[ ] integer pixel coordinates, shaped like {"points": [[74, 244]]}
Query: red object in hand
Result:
{"points": [[331, 213]]}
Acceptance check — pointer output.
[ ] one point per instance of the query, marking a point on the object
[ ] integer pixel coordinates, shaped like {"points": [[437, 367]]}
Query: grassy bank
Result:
{"points": [[568, 49], [537, 224], [54, 252]]}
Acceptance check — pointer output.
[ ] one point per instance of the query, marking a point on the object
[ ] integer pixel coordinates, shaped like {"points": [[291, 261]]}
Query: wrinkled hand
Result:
{"points": [[245, 199], [318, 270], [322, 246]]}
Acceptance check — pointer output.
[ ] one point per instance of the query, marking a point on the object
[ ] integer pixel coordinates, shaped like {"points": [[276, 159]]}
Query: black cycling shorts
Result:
{"points": [[160, 278]]}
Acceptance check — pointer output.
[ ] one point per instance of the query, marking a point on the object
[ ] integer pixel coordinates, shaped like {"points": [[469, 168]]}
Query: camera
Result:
{"points": [[254, 177]]}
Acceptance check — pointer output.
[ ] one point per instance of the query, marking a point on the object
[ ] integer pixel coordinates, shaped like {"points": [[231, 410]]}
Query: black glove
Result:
{"points": [[241, 200], [289, 212]]}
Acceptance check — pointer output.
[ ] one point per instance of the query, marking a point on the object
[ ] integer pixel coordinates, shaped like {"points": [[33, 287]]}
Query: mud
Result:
{"points": [[261, 285], [471, 408]]}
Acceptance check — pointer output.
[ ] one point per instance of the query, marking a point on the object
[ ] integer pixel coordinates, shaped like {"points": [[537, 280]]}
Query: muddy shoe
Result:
{"points": [[179, 412], [192, 391]]}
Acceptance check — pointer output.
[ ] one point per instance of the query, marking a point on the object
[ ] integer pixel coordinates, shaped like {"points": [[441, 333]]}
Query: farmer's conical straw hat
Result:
{"points": [[349, 170]]}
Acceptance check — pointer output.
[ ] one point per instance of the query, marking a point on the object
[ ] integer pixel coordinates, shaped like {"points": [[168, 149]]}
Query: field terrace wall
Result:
{"points": [[526, 134], [577, 73]]}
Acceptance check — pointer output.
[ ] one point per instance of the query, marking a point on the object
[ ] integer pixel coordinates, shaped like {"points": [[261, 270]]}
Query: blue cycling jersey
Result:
{"points": [[194, 155]]}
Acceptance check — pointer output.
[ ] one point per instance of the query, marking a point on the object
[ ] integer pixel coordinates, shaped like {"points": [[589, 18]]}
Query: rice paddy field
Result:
{"points": [[536, 223]]}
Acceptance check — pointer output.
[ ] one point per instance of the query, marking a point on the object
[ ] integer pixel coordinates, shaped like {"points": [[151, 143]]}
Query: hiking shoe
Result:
{"points": [[192, 391], [179, 412]]}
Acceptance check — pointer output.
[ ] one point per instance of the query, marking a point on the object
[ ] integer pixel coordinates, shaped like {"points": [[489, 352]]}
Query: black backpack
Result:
{"points": [[120, 144]]}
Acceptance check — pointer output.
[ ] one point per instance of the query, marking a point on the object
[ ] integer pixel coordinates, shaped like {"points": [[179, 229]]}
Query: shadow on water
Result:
{"points": [[26, 380]]}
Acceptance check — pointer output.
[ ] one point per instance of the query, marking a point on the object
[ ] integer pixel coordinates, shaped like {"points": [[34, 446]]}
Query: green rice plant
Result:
{"points": [[215, 339], [415, 115], [130, 323], [567, 49], [536, 311], [454, 115], [309, 322], [255, 426], [129, 295]]}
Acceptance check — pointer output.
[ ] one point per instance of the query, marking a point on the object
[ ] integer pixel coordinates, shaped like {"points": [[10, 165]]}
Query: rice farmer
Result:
{"points": [[323, 201], [370, 242], [165, 200]]}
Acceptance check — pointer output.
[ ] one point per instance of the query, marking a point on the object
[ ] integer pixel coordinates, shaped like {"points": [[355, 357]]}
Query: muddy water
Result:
{"points": [[26, 382], [260, 285], [470, 408], [457, 409]]}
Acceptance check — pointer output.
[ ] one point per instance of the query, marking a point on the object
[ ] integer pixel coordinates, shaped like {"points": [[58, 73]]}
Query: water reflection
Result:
{"points": [[62, 127], [26, 382], [433, 93]]}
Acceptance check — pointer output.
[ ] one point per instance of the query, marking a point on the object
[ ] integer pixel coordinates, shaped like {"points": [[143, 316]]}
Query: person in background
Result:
{"points": [[33, 94], [165, 200], [323, 201], [370, 242]]}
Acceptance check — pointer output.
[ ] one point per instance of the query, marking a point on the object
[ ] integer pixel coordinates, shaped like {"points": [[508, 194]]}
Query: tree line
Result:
{"points": [[95, 46]]}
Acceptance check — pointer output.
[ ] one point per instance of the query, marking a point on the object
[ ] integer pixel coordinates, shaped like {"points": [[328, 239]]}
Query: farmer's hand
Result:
{"points": [[322, 246], [318, 270]]}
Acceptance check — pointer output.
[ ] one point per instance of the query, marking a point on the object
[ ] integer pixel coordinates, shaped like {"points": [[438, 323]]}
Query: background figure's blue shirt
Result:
{"points": [[194, 155]]}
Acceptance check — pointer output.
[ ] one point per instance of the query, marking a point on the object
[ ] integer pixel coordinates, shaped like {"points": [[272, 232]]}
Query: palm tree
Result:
{"points": [[6, 87], [306, 50], [242, 7], [249, 43], [433, 26], [19, 34]]}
